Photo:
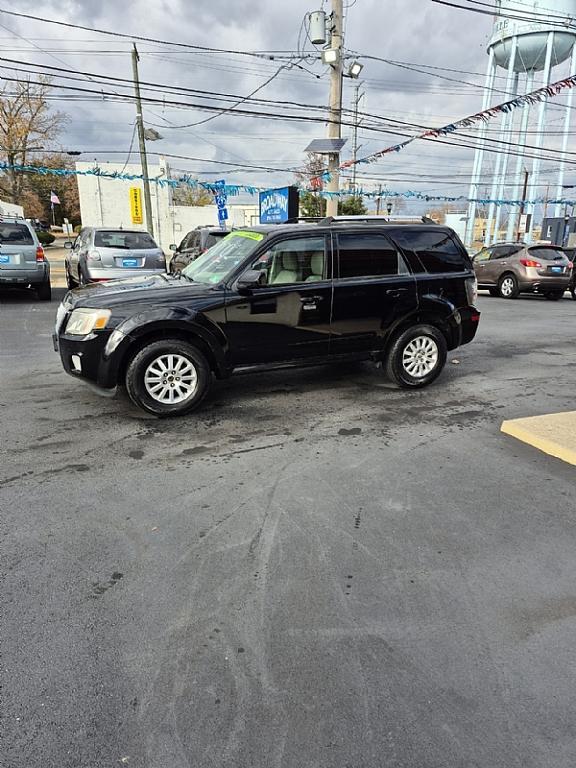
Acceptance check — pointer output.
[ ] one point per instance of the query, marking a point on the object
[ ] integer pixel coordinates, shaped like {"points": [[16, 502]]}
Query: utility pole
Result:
{"points": [[142, 142], [522, 204], [355, 148], [379, 199], [335, 124]]}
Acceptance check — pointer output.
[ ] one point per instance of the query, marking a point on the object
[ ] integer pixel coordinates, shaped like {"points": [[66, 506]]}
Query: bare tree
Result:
{"points": [[27, 124], [192, 196]]}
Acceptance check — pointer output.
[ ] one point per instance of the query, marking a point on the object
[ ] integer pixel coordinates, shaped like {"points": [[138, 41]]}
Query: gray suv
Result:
{"points": [[508, 269], [22, 259], [103, 253]]}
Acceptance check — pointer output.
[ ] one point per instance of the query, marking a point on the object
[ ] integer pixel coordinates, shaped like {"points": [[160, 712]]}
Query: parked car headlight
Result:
{"points": [[84, 320]]}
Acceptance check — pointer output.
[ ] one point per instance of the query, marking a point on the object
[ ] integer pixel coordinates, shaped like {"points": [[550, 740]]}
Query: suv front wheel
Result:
{"points": [[168, 377], [417, 357], [508, 286]]}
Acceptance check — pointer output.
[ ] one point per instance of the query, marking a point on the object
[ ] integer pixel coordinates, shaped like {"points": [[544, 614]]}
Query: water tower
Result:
{"points": [[529, 37]]}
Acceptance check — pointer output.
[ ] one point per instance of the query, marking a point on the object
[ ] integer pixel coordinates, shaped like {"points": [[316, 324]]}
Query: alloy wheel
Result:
{"points": [[420, 356], [171, 379], [507, 287]]}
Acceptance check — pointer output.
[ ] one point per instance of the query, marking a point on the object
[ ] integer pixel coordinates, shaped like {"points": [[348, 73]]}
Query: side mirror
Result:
{"points": [[173, 247], [68, 244], [250, 280]]}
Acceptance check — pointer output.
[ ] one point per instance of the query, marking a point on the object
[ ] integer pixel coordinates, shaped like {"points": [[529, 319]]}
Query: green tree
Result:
{"points": [[312, 205], [352, 206]]}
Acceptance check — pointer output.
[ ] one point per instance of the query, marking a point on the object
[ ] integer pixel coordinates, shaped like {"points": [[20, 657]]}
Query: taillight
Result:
{"points": [[530, 263], [39, 253], [472, 290]]}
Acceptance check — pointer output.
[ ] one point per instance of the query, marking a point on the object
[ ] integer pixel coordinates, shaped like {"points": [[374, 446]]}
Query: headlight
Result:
{"points": [[83, 321]]}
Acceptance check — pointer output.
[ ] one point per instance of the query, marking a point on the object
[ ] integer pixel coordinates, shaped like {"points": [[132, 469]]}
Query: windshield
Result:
{"points": [[217, 262], [131, 241]]}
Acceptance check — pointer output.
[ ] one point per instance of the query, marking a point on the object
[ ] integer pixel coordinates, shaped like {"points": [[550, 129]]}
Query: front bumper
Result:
{"points": [[86, 358]]}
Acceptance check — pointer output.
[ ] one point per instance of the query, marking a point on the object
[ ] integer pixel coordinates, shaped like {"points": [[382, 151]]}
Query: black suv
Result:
{"points": [[193, 245], [272, 296]]}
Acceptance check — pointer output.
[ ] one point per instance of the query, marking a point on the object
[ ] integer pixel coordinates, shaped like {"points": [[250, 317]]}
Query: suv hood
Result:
{"points": [[135, 289]]}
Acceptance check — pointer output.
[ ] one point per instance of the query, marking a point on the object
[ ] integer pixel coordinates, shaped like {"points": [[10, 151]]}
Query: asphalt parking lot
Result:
{"points": [[315, 570]]}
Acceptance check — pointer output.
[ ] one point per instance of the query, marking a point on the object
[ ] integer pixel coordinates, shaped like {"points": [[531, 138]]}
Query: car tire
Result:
{"points": [[508, 287], [553, 295], [44, 291], [573, 292], [416, 357], [152, 384], [494, 292]]}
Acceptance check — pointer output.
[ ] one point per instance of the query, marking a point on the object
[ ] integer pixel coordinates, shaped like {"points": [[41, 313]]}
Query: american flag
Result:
{"points": [[54, 199]]}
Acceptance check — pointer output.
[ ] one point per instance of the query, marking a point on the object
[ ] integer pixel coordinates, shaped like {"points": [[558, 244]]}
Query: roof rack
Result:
{"points": [[377, 219], [305, 219]]}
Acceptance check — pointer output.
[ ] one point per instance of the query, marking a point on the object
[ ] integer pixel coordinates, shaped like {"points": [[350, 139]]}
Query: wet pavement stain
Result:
{"points": [[99, 589], [195, 451]]}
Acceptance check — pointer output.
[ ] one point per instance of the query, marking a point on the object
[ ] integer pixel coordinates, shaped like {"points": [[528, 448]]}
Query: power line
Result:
{"points": [[140, 38]]}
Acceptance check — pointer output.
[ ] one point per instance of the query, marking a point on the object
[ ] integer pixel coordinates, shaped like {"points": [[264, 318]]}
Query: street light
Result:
{"points": [[150, 134], [330, 56], [354, 70]]}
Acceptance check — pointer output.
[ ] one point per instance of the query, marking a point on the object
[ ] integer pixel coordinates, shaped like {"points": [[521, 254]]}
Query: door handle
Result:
{"points": [[395, 292], [311, 299]]}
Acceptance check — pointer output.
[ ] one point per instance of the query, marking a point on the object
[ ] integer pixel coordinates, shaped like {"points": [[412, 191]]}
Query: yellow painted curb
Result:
{"points": [[554, 434]]}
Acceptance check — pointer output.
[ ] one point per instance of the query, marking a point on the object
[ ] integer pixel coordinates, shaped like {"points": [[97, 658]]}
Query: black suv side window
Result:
{"points": [[368, 254], [436, 250], [297, 260]]}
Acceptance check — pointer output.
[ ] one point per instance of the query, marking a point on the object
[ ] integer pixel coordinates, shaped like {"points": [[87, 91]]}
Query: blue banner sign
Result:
{"points": [[278, 205]]}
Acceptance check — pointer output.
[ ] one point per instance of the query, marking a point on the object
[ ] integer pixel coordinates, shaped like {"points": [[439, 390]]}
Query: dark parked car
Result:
{"points": [[272, 296], [508, 269], [193, 245], [570, 254]]}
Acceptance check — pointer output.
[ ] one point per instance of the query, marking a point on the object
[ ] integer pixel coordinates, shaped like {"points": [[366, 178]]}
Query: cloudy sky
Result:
{"points": [[430, 39]]}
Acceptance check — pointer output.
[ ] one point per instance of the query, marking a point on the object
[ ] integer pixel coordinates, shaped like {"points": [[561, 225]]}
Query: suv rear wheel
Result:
{"points": [[554, 295], [508, 287], [168, 377], [417, 356]]}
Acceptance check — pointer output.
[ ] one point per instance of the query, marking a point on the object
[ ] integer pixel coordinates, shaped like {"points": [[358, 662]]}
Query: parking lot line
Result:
{"points": [[554, 434]]}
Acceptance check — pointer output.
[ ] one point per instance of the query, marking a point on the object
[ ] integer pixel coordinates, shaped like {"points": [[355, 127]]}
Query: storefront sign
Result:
{"points": [[278, 205], [136, 205]]}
